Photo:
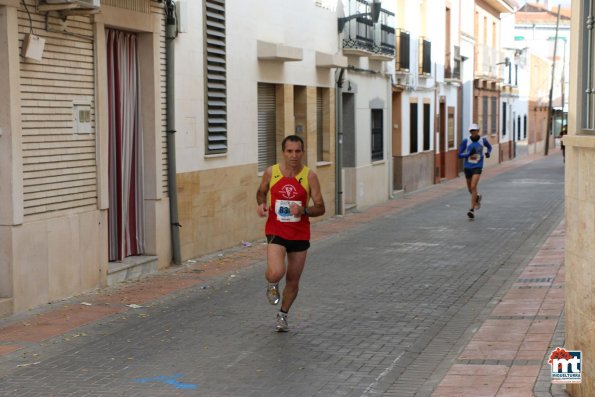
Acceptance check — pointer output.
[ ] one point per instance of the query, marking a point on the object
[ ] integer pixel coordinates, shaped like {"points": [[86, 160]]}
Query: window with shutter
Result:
{"points": [[319, 126], [403, 41], [267, 121], [216, 77], [425, 56]]}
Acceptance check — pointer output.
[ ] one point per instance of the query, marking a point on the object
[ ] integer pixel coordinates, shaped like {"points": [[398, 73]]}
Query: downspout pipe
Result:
{"points": [[339, 142], [171, 31]]}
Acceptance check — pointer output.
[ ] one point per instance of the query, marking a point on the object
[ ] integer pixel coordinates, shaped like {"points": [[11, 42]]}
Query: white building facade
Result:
{"points": [[241, 87]]}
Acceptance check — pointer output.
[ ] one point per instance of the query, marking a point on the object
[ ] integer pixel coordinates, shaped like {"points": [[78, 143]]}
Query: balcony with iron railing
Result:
{"points": [[384, 37], [489, 63], [362, 37]]}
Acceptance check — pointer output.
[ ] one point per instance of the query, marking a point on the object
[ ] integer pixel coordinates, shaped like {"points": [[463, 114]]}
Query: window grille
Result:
{"points": [[377, 135], [588, 63]]}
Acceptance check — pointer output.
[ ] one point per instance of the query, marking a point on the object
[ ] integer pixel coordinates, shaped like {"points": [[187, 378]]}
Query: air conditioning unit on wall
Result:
{"points": [[86, 4]]}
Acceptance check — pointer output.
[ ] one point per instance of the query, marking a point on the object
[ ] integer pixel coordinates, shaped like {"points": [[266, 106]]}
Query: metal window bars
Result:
{"points": [[588, 65]]}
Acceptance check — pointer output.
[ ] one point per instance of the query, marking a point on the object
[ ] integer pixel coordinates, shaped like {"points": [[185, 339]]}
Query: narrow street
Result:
{"points": [[400, 286]]}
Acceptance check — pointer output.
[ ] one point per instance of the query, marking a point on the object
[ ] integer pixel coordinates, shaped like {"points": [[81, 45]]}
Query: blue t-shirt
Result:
{"points": [[472, 152]]}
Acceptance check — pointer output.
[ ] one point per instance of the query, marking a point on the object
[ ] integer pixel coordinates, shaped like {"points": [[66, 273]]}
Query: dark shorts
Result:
{"points": [[469, 172], [290, 245]]}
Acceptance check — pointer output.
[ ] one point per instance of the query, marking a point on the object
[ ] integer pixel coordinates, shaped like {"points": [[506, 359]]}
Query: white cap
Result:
{"points": [[473, 127]]}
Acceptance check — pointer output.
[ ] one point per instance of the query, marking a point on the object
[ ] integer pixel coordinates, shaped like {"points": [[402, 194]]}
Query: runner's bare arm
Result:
{"points": [[261, 193], [317, 208]]}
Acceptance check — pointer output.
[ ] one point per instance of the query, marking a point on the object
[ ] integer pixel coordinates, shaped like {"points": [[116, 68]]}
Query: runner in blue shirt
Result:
{"points": [[471, 149]]}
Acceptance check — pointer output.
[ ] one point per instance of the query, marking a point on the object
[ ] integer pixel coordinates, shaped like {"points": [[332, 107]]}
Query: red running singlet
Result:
{"points": [[283, 192]]}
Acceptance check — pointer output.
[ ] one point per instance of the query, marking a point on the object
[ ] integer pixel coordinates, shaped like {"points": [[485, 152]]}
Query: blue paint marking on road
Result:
{"points": [[168, 380]]}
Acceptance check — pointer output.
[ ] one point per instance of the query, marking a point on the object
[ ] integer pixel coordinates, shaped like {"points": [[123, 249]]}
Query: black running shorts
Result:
{"points": [[290, 245], [469, 172]]}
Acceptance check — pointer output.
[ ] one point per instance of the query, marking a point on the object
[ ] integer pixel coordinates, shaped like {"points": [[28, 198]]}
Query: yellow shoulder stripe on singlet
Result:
{"points": [[302, 177]]}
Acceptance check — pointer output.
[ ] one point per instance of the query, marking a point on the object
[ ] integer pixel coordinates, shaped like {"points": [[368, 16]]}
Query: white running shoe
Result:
{"points": [[273, 293], [282, 325]]}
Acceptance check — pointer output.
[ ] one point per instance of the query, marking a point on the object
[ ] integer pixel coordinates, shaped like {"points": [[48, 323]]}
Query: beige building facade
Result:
{"points": [[55, 180], [580, 199]]}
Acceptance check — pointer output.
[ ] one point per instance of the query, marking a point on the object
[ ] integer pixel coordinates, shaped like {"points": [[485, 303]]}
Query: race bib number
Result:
{"points": [[474, 158], [283, 212]]}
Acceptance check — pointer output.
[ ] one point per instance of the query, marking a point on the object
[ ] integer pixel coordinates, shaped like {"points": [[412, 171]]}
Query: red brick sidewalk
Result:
{"points": [[520, 328]]}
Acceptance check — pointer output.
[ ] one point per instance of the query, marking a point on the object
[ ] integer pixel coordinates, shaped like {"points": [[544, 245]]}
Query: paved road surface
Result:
{"points": [[384, 306]]}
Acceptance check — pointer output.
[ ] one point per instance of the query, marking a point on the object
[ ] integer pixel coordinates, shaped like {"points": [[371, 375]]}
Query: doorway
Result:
{"points": [[125, 148], [442, 138], [349, 154]]}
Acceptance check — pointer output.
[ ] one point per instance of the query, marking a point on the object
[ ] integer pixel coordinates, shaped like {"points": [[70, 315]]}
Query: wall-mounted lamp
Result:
{"points": [[505, 63], [374, 13]]}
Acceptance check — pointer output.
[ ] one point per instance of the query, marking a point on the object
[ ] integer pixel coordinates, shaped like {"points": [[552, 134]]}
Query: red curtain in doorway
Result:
{"points": [[125, 147]]}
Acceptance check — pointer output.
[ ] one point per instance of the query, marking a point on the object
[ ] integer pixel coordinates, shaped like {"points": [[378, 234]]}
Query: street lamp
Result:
{"points": [[374, 13]]}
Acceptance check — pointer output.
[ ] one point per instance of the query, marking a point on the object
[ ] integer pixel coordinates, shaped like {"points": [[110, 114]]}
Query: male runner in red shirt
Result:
{"points": [[284, 195]]}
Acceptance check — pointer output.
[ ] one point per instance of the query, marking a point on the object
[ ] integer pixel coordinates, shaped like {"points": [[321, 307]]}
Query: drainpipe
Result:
{"points": [[170, 35], [389, 135], [339, 142]]}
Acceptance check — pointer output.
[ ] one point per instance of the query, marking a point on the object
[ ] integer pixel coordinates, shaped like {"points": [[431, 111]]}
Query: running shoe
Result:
{"points": [[273, 293], [471, 213], [282, 325], [478, 203]]}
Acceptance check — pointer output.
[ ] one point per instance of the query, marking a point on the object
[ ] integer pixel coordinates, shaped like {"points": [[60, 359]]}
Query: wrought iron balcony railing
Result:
{"points": [[364, 38]]}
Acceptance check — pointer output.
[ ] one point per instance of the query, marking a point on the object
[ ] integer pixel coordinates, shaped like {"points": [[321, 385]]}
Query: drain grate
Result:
{"points": [[535, 280]]}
